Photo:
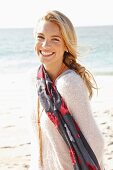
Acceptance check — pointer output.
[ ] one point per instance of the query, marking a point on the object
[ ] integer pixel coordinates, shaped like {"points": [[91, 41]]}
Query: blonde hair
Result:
{"points": [[70, 39]]}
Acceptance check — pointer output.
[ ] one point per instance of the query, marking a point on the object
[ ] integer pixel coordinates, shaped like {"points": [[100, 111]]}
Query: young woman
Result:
{"points": [[65, 135]]}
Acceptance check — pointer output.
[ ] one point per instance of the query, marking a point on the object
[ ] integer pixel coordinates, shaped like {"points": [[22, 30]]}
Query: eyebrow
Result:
{"points": [[56, 36]]}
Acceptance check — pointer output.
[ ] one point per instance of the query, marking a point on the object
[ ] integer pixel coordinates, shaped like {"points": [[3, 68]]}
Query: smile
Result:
{"points": [[46, 53]]}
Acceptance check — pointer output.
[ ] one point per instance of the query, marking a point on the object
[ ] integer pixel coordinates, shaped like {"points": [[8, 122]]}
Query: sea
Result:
{"points": [[95, 49]]}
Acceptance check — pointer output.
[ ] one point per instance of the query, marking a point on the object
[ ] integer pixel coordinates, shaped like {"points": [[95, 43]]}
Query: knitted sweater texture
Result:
{"points": [[55, 152]]}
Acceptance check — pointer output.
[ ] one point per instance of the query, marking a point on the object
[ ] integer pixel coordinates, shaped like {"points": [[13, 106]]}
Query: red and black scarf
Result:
{"points": [[82, 156]]}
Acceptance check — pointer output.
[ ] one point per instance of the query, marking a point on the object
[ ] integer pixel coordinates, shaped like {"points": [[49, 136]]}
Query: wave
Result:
{"points": [[103, 73], [15, 62]]}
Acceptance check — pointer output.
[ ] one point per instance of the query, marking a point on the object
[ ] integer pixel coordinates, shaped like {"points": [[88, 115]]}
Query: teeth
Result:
{"points": [[46, 53]]}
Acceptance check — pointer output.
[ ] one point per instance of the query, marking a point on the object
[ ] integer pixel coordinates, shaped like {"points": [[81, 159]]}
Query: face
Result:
{"points": [[50, 46]]}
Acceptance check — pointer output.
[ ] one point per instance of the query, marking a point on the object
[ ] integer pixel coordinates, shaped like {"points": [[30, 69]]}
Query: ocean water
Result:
{"points": [[95, 49]]}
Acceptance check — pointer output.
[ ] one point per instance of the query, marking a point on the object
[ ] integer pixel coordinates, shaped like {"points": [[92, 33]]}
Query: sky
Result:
{"points": [[24, 13]]}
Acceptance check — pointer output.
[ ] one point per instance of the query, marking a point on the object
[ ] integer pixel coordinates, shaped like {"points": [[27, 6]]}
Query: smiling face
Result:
{"points": [[50, 46]]}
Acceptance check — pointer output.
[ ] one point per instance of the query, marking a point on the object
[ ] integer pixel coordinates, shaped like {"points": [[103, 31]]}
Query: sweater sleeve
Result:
{"points": [[72, 89]]}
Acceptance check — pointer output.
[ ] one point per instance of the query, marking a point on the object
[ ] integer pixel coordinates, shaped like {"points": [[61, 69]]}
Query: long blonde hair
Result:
{"points": [[70, 39]]}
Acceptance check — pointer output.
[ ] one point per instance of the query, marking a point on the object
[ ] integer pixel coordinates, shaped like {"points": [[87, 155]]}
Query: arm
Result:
{"points": [[73, 90]]}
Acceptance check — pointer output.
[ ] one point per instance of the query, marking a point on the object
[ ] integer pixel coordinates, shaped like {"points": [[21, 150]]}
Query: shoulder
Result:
{"points": [[32, 73], [70, 79], [32, 81]]}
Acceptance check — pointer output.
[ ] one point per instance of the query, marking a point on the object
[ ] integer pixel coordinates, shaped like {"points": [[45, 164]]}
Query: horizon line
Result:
{"points": [[22, 27]]}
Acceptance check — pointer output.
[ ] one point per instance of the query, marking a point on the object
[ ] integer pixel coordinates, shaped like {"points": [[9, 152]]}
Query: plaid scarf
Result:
{"points": [[82, 156]]}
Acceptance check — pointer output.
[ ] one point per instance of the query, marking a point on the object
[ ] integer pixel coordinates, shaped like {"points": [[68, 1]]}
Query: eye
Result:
{"points": [[40, 37], [55, 39]]}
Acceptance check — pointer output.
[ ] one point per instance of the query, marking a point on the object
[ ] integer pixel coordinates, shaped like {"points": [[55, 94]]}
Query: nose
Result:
{"points": [[46, 43]]}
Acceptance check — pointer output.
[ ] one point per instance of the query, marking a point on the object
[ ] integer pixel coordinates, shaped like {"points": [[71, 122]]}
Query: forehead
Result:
{"points": [[48, 27]]}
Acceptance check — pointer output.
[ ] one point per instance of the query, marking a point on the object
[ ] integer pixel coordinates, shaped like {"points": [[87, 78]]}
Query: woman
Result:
{"points": [[66, 136]]}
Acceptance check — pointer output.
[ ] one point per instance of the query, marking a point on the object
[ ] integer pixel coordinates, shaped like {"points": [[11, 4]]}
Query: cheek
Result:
{"points": [[61, 50], [36, 48]]}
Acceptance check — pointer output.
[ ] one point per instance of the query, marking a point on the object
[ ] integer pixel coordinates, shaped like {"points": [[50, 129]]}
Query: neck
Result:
{"points": [[54, 72]]}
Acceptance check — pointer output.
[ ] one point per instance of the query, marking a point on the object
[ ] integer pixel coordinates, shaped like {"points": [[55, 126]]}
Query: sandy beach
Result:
{"points": [[15, 124]]}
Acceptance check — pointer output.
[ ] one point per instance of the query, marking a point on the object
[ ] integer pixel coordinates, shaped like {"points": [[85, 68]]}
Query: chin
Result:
{"points": [[45, 62]]}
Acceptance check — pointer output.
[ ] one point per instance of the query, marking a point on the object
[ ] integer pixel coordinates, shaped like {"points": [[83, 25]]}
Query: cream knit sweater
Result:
{"points": [[55, 152]]}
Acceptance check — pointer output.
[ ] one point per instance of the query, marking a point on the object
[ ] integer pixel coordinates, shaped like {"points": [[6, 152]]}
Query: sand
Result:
{"points": [[14, 120]]}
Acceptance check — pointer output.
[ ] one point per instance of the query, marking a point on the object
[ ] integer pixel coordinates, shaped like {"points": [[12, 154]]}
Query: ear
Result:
{"points": [[66, 49]]}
